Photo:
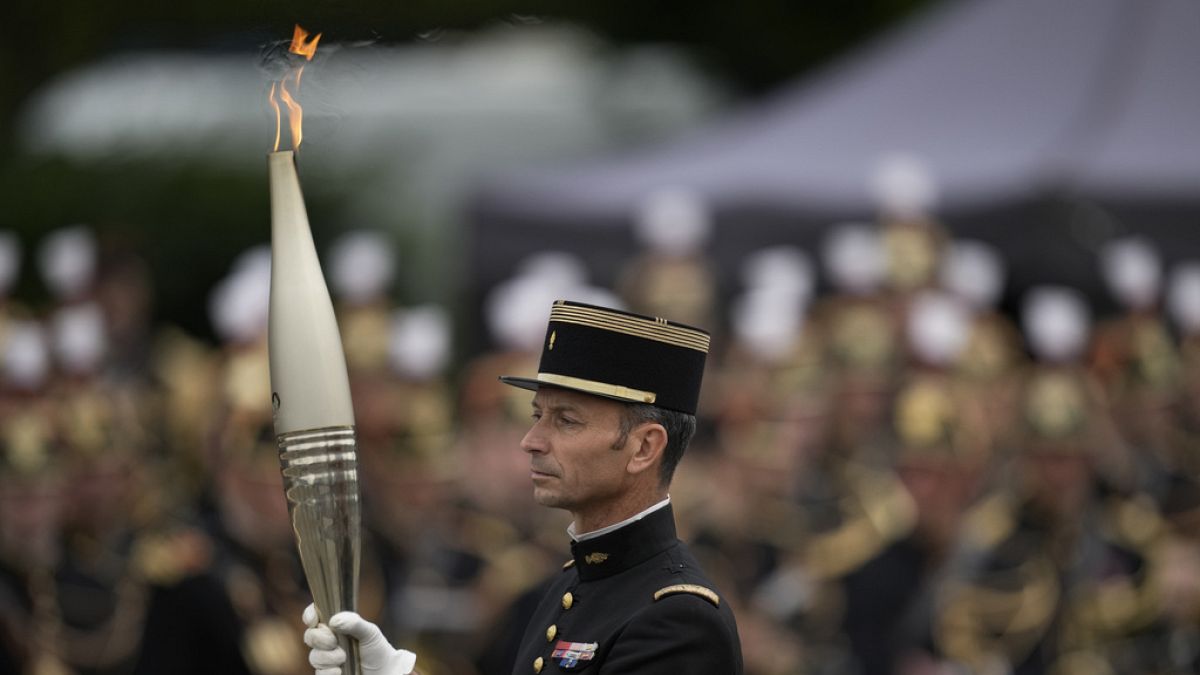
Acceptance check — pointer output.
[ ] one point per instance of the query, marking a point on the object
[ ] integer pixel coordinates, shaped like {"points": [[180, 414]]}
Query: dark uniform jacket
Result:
{"points": [[635, 602]]}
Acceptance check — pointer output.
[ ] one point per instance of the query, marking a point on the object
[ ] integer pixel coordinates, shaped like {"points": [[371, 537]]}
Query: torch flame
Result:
{"points": [[275, 107], [304, 46], [295, 112]]}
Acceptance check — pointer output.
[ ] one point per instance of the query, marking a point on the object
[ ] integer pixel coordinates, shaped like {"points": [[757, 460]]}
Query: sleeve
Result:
{"points": [[678, 635]]}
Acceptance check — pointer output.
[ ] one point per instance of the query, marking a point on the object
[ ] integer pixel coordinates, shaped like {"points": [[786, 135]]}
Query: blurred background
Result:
{"points": [[947, 250]]}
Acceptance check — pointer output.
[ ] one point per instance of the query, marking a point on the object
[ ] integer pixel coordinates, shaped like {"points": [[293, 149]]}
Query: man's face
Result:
{"points": [[571, 454]]}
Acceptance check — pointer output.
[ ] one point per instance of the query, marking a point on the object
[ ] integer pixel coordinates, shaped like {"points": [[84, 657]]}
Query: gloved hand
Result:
{"points": [[375, 655]]}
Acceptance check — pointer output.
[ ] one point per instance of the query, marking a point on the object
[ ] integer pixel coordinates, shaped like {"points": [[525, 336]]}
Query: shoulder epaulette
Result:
{"points": [[881, 512], [569, 564], [706, 593]]}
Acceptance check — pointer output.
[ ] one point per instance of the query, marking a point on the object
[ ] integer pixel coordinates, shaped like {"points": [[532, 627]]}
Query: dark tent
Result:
{"points": [[1048, 126]]}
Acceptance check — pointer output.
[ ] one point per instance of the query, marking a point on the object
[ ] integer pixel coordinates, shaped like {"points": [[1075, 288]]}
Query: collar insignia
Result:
{"points": [[571, 653], [595, 558]]}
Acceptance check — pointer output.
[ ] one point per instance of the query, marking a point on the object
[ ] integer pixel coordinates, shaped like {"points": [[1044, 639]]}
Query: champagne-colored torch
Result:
{"points": [[314, 419]]}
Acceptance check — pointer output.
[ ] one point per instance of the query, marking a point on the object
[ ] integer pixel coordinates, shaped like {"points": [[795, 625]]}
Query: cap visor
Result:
{"points": [[600, 389], [522, 382]]}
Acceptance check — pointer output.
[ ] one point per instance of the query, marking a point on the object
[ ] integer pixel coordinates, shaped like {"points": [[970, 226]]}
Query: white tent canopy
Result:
{"points": [[1004, 101]]}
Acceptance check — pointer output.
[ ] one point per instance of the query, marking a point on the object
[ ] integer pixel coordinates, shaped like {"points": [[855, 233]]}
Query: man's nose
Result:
{"points": [[533, 441]]}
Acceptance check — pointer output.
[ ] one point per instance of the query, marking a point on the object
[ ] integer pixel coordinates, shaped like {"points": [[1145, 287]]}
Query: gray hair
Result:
{"points": [[680, 428]]}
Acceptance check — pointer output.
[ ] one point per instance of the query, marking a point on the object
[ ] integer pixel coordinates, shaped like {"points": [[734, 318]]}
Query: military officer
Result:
{"points": [[613, 412]]}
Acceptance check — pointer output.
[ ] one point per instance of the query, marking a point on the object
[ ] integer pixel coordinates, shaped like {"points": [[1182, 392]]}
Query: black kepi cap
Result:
{"points": [[620, 355]]}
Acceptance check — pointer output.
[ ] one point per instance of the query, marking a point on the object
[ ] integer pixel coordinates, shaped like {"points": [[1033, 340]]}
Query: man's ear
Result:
{"points": [[649, 442]]}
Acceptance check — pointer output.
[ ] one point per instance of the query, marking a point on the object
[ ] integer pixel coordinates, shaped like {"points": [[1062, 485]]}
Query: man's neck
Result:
{"points": [[583, 527]]}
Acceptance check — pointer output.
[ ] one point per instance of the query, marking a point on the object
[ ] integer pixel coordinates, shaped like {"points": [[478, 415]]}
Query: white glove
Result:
{"points": [[375, 655]]}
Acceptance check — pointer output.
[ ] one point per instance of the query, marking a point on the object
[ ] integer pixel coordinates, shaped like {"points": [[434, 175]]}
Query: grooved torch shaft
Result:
{"points": [[320, 479]]}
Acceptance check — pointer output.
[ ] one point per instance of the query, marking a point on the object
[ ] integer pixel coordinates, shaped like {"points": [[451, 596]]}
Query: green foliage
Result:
{"points": [[187, 221]]}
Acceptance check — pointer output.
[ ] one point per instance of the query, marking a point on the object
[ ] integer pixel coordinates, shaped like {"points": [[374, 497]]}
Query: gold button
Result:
{"points": [[537, 664], [551, 632], [568, 600]]}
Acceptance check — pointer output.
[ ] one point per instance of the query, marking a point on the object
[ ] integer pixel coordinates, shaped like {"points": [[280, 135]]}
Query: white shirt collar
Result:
{"points": [[613, 528]]}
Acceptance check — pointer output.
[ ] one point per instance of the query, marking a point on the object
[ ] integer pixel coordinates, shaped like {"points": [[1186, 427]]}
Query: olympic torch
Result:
{"points": [[314, 419], [310, 396]]}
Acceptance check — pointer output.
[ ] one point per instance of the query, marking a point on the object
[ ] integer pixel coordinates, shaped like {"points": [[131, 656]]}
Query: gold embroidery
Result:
{"points": [[652, 329], [693, 589], [601, 388]]}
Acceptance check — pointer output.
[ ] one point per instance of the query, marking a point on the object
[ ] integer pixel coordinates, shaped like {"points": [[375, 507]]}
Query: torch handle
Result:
{"points": [[352, 665], [320, 480]]}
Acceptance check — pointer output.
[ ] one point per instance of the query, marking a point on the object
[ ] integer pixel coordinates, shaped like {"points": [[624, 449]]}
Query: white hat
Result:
{"points": [[1183, 296], [361, 265], [1057, 322], [67, 260], [420, 341], [1133, 270], [903, 186], [938, 327], [79, 338], [254, 261], [785, 268], [853, 257], [239, 305], [26, 356], [554, 268], [673, 220], [768, 321], [973, 271], [517, 312]]}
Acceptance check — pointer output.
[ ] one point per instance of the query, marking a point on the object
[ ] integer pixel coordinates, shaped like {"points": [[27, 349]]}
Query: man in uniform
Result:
{"points": [[614, 409]]}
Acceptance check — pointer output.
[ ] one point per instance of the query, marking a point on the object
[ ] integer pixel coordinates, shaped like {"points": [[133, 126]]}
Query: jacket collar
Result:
{"points": [[625, 547]]}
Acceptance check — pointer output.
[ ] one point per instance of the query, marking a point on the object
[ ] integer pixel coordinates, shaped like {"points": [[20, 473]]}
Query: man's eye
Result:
{"points": [[568, 421], [535, 415]]}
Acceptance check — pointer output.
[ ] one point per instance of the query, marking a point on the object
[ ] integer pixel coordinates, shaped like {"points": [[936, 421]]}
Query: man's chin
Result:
{"points": [[548, 498]]}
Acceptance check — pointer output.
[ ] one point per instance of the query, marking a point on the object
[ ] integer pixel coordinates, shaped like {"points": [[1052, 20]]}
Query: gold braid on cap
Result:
{"points": [[650, 329], [601, 388]]}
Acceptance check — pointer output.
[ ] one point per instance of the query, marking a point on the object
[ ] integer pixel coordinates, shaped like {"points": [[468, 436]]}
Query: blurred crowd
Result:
{"points": [[891, 475]]}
